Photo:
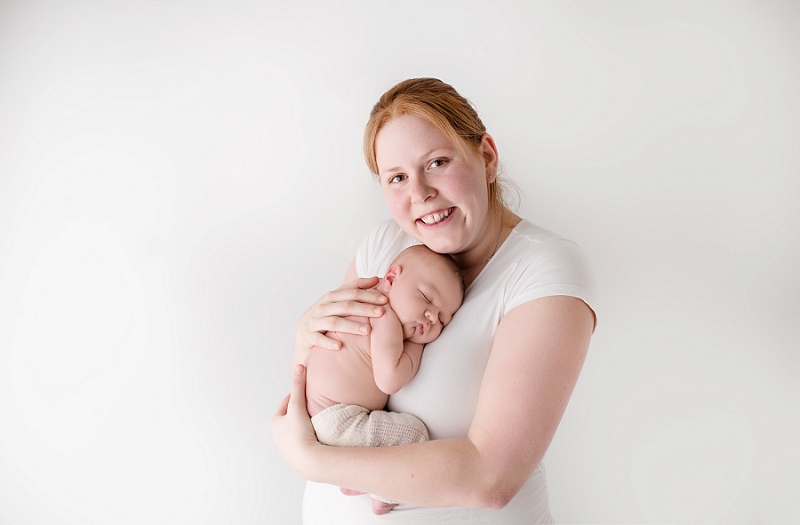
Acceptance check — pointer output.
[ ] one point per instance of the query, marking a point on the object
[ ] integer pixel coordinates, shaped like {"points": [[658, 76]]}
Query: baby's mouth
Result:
{"points": [[436, 217]]}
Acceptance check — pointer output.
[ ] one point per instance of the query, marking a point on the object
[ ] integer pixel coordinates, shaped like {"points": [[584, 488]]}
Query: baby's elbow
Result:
{"points": [[388, 385]]}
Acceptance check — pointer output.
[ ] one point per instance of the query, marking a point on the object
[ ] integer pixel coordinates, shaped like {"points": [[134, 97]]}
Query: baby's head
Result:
{"points": [[425, 289]]}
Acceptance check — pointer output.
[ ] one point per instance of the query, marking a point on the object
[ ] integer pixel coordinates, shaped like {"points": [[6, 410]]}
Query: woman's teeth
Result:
{"points": [[433, 218]]}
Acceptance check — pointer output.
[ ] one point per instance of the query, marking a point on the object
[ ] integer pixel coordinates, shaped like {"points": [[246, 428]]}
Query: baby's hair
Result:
{"points": [[420, 250]]}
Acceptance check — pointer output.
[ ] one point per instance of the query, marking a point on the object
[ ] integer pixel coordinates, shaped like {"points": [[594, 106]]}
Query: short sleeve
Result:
{"points": [[556, 266]]}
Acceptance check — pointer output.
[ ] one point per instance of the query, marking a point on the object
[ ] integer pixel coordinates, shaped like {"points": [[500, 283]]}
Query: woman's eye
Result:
{"points": [[396, 178], [438, 163]]}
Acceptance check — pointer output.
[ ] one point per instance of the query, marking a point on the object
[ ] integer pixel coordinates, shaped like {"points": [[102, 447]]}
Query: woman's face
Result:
{"points": [[435, 193]]}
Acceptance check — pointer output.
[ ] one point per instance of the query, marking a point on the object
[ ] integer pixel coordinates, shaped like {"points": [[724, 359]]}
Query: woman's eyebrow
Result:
{"points": [[384, 172], [422, 157], [436, 149]]}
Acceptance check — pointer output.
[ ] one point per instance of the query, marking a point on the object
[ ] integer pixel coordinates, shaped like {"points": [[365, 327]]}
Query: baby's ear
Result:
{"points": [[392, 273]]}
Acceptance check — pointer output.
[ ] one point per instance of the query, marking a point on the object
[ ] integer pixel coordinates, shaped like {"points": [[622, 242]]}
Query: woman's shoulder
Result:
{"points": [[540, 263], [532, 241], [526, 230]]}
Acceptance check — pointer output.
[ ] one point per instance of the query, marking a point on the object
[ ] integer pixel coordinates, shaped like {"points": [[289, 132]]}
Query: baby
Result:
{"points": [[346, 390]]}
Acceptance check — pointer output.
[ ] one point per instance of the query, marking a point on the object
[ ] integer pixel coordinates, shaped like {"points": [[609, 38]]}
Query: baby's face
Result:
{"points": [[425, 296]]}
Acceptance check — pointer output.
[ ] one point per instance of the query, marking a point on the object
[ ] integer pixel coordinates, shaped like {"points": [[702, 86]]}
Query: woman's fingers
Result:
{"points": [[336, 312], [343, 321], [321, 340], [363, 282], [297, 396], [353, 296], [282, 408], [352, 301], [296, 399], [292, 431]]}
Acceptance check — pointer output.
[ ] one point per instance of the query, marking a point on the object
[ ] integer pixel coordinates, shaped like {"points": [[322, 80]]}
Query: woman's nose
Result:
{"points": [[420, 190]]}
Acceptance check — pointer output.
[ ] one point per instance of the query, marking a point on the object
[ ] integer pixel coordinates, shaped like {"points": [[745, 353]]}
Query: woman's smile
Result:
{"points": [[437, 217], [435, 191]]}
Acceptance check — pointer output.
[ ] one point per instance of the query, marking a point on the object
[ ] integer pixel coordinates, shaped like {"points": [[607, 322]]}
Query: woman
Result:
{"points": [[494, 386]]}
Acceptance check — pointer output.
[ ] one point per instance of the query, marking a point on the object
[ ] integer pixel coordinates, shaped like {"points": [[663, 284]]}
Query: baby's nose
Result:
{"points": [[430, 316]]}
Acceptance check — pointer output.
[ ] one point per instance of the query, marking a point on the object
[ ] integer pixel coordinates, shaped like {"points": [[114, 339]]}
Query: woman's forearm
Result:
{"points": [[532, 370], [440, 473], [466, 472]]}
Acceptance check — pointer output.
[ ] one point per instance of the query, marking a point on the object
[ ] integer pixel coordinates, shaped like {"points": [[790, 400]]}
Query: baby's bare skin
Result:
{"points": [[424, 291], [343, 376]]}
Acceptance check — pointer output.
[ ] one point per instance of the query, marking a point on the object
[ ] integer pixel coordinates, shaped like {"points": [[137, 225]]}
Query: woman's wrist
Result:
{"points": [[314, 462]]}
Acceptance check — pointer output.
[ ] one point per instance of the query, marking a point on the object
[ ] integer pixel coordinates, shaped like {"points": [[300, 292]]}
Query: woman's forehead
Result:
{"points": [[406, 136]]}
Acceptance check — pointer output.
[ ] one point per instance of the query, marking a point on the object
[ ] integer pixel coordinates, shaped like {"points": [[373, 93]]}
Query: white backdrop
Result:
{"points": [[180, 180]]}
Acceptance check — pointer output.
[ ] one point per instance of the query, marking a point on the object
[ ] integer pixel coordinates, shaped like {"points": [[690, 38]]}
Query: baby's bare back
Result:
{"points": [[343, 376]]}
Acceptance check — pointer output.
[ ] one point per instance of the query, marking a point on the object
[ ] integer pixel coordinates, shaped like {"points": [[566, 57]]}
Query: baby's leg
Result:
{"points": [[354, 426], [378, 506], [381, 507]]}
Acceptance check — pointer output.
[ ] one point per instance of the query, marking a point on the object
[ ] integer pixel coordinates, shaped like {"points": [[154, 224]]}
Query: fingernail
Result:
{"points": [[364, 329], [298, 369], [378, 310]]}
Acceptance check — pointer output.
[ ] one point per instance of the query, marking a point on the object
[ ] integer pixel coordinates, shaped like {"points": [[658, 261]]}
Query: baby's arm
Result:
{"points": [[394, 360]]}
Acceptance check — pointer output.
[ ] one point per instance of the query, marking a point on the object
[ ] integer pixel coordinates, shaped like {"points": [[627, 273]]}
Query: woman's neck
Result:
{"points": [[473, 261]]}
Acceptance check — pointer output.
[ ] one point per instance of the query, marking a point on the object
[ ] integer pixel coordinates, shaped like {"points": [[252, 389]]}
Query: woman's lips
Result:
{"points": [[437, 217]]}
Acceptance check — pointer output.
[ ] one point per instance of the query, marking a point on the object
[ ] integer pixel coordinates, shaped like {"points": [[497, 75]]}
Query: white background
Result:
{"points": [[180, 180]]}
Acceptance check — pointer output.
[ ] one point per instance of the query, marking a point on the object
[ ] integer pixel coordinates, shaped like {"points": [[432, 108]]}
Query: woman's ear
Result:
{"points": [[491, 159]]}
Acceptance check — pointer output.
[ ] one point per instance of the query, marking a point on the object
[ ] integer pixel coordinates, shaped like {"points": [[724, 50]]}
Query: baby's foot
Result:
{"points": [[381, 507], [350, 492]]}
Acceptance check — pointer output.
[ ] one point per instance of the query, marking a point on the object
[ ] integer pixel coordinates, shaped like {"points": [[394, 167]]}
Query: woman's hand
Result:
{"points": [[291, 427], [354, 298]]}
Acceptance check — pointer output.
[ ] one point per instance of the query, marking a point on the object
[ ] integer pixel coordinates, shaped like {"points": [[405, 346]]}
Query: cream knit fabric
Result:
{"points": [[355, 426]]}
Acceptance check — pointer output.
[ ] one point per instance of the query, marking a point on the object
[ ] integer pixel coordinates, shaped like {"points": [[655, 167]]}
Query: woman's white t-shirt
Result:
{"points": [[531, 263]]}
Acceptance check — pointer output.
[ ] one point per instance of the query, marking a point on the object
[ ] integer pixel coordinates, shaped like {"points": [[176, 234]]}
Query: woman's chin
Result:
{"points": [[438, 242]]}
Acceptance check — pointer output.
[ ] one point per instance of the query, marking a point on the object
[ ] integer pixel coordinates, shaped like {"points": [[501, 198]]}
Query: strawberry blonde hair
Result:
{"points": [[441, 105]]}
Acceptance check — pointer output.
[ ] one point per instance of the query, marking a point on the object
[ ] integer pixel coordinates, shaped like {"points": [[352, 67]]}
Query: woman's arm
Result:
{"points": [[353, 298], [537, 354]]}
